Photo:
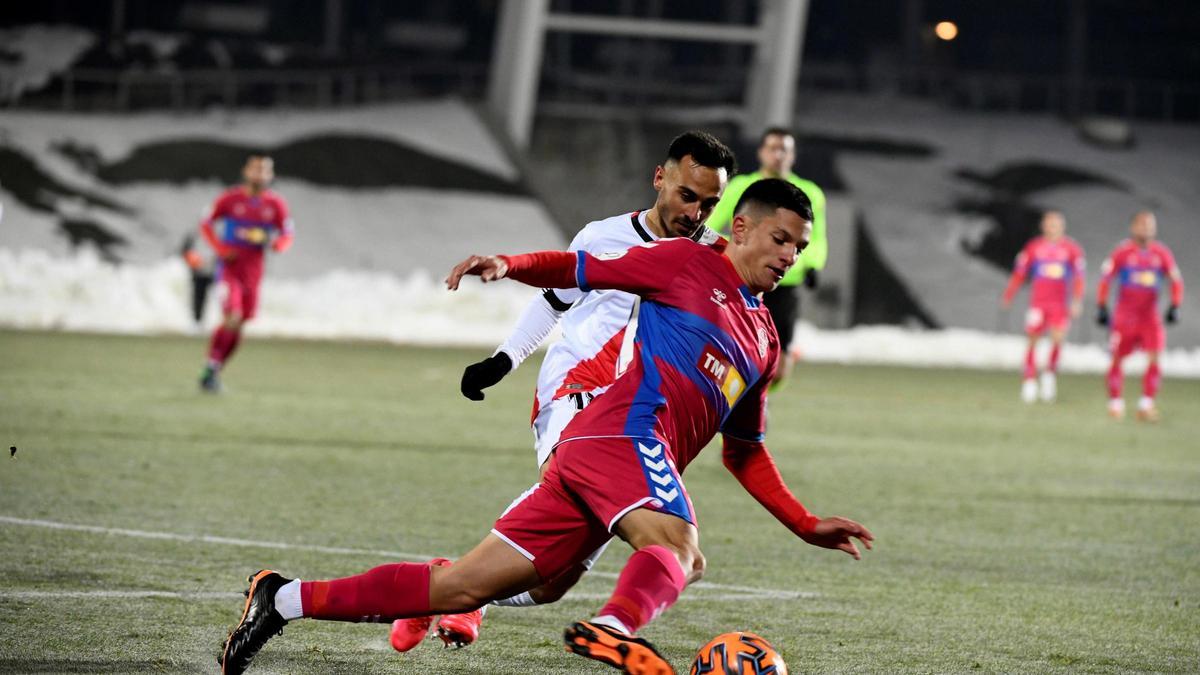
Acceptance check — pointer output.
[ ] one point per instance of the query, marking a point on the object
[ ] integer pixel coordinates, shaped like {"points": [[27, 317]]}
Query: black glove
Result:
{"points": [[1172, 314], [480, 376], [810, 279], [1102, 315]]}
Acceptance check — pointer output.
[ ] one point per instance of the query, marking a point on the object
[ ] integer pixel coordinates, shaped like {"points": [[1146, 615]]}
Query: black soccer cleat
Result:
{"points": [[260, 622], [209, 382], [631, 655]]}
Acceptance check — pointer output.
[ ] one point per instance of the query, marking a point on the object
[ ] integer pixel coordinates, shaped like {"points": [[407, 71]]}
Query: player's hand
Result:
{"points": [[480, 376], [810, 279], [839, 533], [1172, 315], [1102, 315], [486, 267]]}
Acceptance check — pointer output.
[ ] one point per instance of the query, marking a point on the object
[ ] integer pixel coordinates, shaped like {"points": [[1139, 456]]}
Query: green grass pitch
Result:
{"points": [[1011, 538]]}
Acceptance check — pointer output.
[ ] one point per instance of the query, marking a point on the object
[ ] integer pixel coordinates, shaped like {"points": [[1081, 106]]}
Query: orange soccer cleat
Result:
{"points": [[460, 630], [632, 655], [408, 633]]}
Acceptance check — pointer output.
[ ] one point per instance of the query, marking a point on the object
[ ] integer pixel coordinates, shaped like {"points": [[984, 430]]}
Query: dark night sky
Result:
{"points": [[1151, 39]]}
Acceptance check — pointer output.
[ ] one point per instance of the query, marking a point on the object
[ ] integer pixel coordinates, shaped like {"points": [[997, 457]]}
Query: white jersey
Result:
{"points": [[586, 361]]}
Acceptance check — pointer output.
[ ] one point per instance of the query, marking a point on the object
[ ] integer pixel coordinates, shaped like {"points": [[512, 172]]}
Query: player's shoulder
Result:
{"points": [[615, 232], [231, 193], [269, 195], [1160, 248]]}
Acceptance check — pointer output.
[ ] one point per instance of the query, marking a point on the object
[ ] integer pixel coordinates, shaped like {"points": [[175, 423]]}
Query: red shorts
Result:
{"points": [[241, 289], [1129, 336], [589, 485], [1040, 318]]}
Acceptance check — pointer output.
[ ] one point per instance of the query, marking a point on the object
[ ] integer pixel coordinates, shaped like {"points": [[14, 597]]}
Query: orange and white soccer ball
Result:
{"points": [[738, 654]]}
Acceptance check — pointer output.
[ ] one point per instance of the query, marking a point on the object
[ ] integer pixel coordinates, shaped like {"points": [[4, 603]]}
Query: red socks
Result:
{"points": [[223, 342], [1052, 366], [1151, 380], [382, 594], [1030, 368], [650, 583], [1115, 378]]}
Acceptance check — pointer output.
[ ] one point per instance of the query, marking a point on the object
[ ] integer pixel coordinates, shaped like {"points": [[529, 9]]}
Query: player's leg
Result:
{"points": [[667, 558], [1048, 389], [1154, 341], [463, 629], [539, 538], [1120, 344], [226, 334], [784, 305], [1035, 325]]}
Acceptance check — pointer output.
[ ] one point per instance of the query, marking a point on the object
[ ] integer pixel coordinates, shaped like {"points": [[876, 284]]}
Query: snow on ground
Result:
{"points": [[82, 293]]}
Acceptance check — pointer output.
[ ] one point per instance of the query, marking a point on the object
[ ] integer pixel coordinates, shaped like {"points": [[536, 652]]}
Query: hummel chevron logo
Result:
{"points": [[660, 465], [650, 452], [664, 480], [667, 495]]}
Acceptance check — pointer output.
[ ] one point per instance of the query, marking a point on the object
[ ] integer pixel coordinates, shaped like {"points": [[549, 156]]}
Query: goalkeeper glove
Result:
{"points": [[1102, 315], [480, 376], [1172, 314]]}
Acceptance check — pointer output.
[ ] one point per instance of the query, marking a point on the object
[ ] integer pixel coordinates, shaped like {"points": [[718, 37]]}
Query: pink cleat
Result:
{"points": [[460, 630], [408, 633]]}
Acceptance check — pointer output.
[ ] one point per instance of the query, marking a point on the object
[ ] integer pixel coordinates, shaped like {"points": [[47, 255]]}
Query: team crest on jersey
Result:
{"points": [[723, 373], [239, 209], [763, 342], [268, 213]]}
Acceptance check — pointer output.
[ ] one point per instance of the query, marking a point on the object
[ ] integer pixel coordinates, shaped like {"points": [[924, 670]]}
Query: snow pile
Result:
{"points": [[83, 293]]}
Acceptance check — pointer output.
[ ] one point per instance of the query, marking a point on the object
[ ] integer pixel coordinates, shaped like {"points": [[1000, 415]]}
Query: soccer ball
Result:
{"points": [[738, 654]]}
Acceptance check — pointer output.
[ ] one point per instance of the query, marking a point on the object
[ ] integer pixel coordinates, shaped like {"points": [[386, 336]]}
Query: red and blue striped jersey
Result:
{"points": [[705, 350]]}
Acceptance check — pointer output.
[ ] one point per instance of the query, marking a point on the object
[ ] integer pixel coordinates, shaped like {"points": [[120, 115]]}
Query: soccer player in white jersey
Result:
{"points": [[597, 327]]}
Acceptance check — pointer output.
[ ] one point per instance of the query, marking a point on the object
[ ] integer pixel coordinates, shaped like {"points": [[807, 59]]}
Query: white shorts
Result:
{"points": [[553, 418]]}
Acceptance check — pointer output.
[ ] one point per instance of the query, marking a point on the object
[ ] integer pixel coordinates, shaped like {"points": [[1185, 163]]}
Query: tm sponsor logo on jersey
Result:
{"points": [[718, 297], [723, 373]]}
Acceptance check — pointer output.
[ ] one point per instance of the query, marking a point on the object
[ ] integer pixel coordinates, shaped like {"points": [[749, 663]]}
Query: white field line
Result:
{"points": [[731, 592]]}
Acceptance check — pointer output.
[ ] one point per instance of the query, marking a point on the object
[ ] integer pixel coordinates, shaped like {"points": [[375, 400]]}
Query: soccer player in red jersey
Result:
{"points": [[243, 221], [706, 350], [1054, 265], [1140, 264]]}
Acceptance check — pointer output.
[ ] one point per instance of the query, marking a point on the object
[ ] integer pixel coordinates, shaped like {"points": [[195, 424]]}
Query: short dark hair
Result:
{"points": [[775, 193], [705, 148], [774, 131]]}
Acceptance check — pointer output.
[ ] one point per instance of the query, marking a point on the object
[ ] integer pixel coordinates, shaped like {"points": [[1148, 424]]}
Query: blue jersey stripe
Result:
{"points": [[580, 274]]}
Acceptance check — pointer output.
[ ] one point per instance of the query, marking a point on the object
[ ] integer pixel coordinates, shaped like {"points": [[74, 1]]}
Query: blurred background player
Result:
{"points": [[244, 220], [776, 155], [1140, 264], [595, 325], [1054, 265]]}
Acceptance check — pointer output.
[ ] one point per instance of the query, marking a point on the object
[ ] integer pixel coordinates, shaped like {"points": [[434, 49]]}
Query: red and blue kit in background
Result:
{"points": [[239, 228], [1139, 271], [704, 353], [1055, 270]]}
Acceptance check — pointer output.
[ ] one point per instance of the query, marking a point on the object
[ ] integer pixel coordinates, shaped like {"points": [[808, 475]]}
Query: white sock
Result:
{"points": [[287, 601], [1145, 403], [519, 600], [611, 622]]}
